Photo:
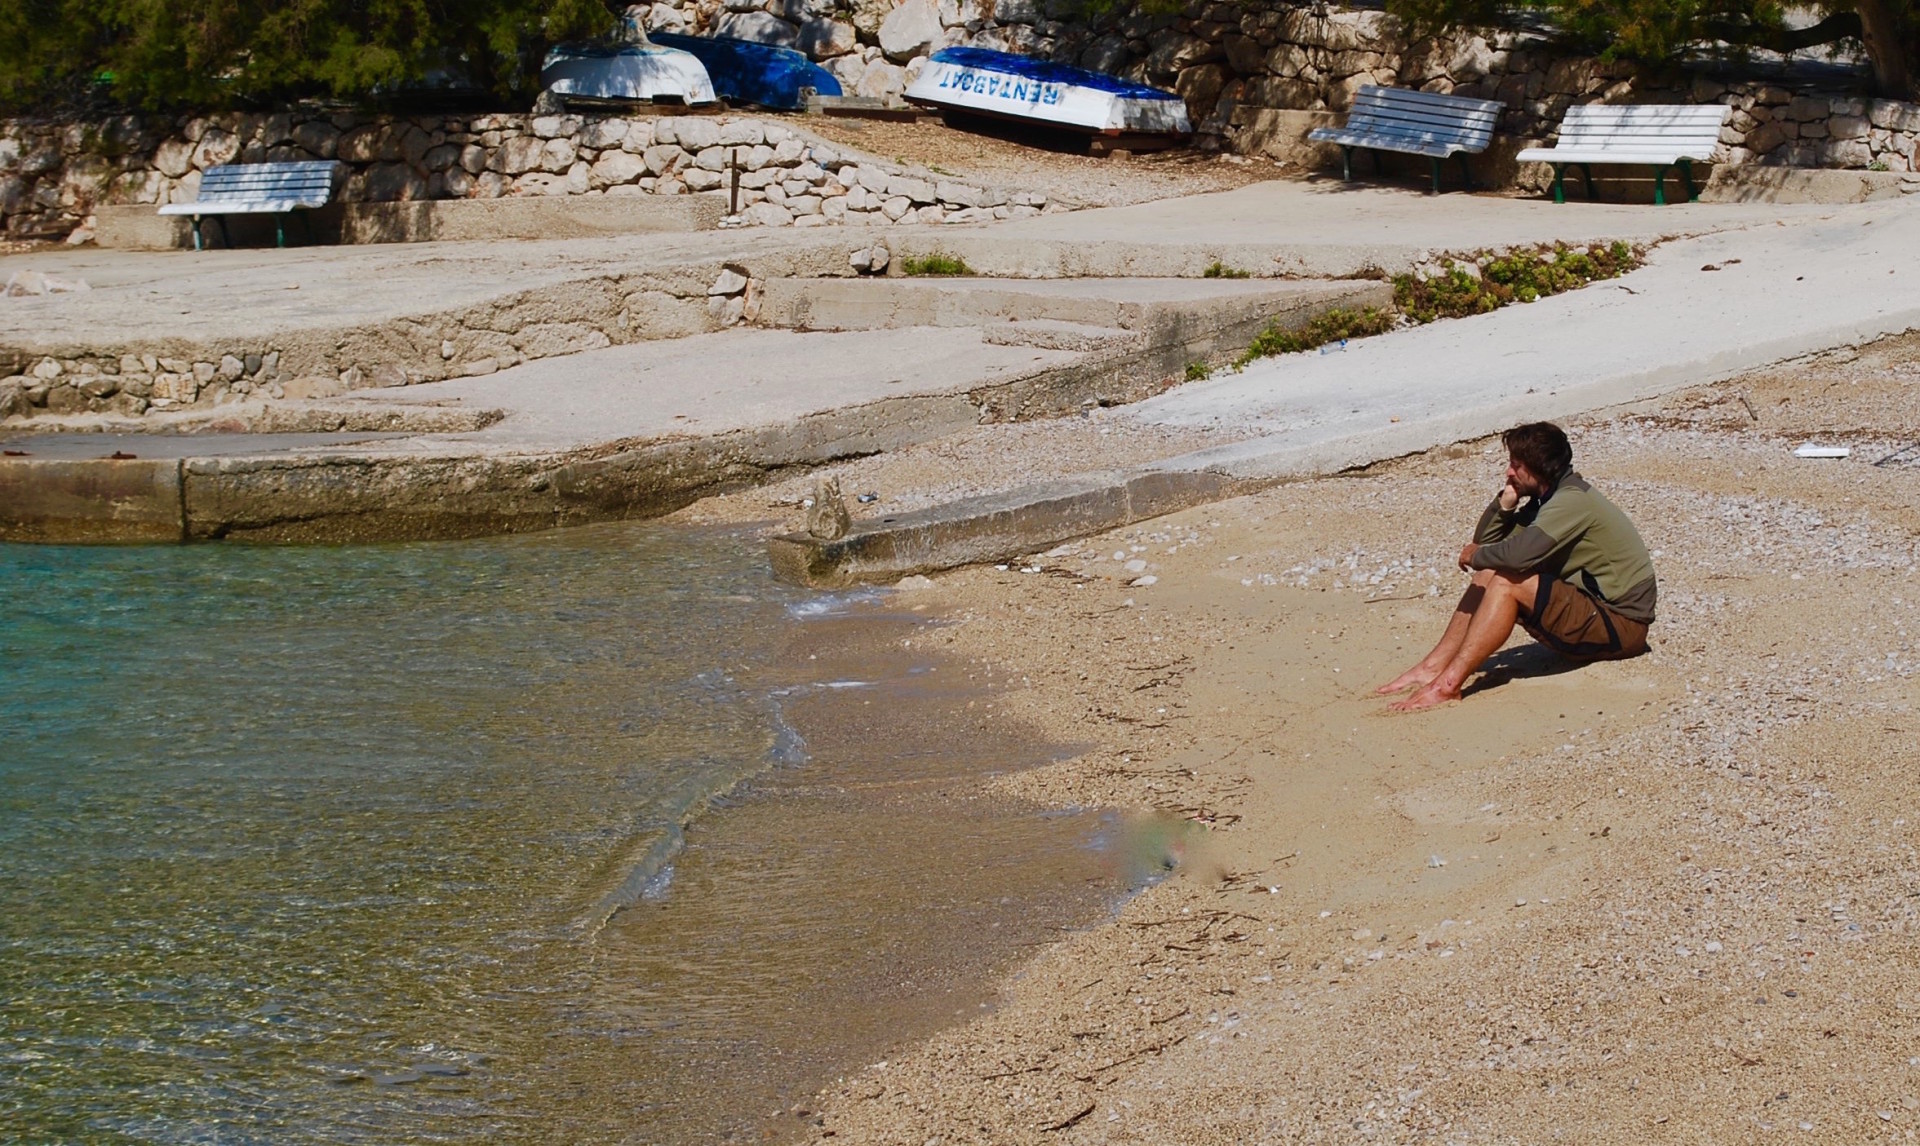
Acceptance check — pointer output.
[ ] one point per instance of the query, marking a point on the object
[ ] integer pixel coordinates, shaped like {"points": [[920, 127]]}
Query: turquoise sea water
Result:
{"points": [[297, 844], [382, 844]]}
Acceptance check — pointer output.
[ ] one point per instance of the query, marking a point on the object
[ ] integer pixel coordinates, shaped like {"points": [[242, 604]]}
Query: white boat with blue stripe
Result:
{"points": [[1010, 86]]}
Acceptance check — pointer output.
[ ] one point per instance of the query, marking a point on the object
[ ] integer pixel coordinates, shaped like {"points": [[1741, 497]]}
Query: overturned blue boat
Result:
{"points": [[744, 72], [1014, 87]]}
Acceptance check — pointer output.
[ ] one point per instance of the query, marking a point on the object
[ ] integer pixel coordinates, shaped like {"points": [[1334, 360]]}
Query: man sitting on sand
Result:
{"points": [[1567, 566]]}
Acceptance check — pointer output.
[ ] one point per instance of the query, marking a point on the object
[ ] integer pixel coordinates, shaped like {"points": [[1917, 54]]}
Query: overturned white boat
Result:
{"points": [[1009, 86], [636, 70]]}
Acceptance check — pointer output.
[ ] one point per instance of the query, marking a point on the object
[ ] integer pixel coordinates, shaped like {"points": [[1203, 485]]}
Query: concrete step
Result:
{"points": [[1164, 309]]}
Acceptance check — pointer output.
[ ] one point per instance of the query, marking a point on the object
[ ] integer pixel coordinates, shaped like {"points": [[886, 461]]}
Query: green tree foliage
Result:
{"points": [[156, 54], [1662, 30]]}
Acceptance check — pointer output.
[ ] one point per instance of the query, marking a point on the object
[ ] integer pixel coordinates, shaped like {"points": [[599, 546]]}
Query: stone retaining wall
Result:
{"points": [[1236, 64], [1230, 60], [52, 175]]}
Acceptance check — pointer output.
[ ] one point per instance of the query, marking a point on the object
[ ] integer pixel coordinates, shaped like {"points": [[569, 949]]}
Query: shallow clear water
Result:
{"points": [[278, 822], [372, 844]]}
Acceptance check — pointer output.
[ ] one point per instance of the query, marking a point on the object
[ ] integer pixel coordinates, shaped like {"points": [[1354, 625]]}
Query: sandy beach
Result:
{"points": [[1665, 899]]}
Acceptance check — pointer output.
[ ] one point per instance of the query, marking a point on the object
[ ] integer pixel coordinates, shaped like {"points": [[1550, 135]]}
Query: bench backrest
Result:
{"points": [[308, 181], [1693, 129], [1424, 117]]}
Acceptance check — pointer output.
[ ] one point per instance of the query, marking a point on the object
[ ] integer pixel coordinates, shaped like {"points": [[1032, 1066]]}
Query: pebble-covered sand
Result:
{"points": [[1669, 899]]}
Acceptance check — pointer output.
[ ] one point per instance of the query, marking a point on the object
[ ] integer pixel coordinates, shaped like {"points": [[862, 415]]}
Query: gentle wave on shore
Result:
{"points": [[406, 843]]}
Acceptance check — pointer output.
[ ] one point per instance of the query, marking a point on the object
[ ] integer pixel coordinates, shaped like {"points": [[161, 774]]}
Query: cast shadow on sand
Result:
{"points": [[1524, 662]]}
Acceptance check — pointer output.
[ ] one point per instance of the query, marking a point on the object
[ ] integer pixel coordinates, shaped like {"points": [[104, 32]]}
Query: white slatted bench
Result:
{"points": [[1659, 134], [276, 189], [1416, 123]]}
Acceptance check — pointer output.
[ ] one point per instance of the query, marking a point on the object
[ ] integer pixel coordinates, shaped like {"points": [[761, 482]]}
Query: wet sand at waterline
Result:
{"points": [[594, 835], [1666, 899]]}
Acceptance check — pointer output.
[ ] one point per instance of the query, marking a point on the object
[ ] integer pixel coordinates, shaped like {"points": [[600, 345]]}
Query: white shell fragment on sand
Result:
{"points": [[1812, 451]]}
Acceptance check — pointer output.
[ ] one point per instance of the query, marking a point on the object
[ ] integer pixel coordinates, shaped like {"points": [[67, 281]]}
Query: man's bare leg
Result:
{"points": [[1492, 624], [1430, 665]]}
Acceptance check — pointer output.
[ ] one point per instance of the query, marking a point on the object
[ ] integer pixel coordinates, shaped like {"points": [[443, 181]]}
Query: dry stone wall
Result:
{"points": [[1232, 60], [1235, 63], [52, 175]]}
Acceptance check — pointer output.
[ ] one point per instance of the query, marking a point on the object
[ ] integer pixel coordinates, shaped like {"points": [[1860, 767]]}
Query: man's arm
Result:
{"points": [[1528, 548], [1499, 518]]}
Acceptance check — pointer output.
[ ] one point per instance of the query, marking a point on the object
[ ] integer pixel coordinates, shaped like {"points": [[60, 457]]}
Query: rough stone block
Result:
{"points": [[694, 133], [1805, 108], [909, 30], [173, 158], [768, 215], [555, 126], [661, 157], [742, 133], [918, 190], [615, 167], [604, 134], [1895, 115], [881, 80], [822, 38], [516, 156], [760, 28], [1847, 127], [557, 155]]}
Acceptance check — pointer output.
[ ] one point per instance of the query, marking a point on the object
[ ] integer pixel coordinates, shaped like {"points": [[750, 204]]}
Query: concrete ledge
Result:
{"points": [[992, 528], [142, 228], [544, 217], [91, 501], [1750, 184]]}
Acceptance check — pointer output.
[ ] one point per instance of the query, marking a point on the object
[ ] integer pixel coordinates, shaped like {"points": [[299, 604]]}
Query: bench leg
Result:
{"points": [[1586, 169], [1660, 185], [1466, 170], [280, 230], [1559, 183], [1686, 176], [1378, 168], [197, 241], [306, 224], [226, 236], [1436, 176], [1346, 163]]}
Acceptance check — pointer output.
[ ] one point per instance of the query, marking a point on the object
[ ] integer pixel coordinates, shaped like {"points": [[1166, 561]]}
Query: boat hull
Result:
{"points": [[1007, 86], [746, 72], [630, 74]]}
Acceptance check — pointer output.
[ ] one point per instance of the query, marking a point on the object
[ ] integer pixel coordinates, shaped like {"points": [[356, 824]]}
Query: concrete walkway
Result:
{"points": [[1773, 293], [1280, 227], [1327, 229], [640, 429], [1703, 310]]}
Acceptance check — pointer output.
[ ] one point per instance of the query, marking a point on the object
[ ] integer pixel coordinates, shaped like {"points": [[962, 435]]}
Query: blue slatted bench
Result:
{"points": [[1415, 123], [276, 189]]}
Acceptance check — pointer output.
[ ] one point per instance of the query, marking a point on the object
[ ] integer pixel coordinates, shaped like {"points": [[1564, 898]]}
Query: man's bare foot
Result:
{"points": [[1413, 678], [1433, 695]]}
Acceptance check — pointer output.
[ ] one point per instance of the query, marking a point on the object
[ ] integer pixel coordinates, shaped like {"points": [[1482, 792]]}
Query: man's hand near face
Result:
{"points": [[1509, 498]]}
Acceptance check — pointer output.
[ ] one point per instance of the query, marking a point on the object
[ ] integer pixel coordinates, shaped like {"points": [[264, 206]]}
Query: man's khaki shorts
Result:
{"points": [[1574, 623]]}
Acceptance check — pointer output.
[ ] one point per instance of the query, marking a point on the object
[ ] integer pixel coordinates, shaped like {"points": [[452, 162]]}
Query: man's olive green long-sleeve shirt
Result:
{"points": [[1576, 535]]}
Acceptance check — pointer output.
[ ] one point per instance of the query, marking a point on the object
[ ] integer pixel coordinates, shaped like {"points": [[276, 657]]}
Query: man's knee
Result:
{"points": [[1522, 587], [1499, 582]]}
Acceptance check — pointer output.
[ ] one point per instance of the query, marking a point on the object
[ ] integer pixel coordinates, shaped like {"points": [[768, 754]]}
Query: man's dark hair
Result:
{"points": [[1543, 448]]}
